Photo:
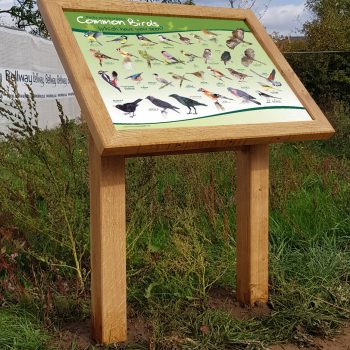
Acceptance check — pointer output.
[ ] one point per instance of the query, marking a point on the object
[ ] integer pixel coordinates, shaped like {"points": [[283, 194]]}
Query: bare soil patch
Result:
{"points": [[225, 300], [340, 342]]}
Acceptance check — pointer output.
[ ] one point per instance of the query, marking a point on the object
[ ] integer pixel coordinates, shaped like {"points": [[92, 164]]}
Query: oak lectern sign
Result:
{"points": [[163, 79]]}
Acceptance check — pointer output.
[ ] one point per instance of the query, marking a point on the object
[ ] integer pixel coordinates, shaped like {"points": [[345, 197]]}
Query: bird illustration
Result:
{"points": [[162, 104], [207, 55], [215, 97], [129, 107], [135, 77], [198, 74], [125, 54], [239, 35], [166, 40], [270, 78], [127, 58], [268, 87], [92, 37], [101, 56], [163, 81], [111, 81], [239, 75], [171, 59], [249, 58], [188, 102], [145, 40], [121, 40], [225, 57], [232, 43], [208, 33], [179, 77], [184, 39], [197, 37], [267, 96], [217, 73], [243, 96], [148, 58], [236, 38], [191, 56]]}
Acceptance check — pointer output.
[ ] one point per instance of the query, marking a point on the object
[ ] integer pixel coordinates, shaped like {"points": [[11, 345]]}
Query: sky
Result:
{"points": [[283, 16]]}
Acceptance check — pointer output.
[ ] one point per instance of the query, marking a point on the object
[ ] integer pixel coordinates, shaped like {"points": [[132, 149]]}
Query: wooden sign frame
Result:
{"points": [[172, 140], [108, 148]]}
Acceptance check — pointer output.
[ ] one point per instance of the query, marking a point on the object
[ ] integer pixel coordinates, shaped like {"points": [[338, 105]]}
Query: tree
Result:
{"points": [[330, 27], [27, 16]]}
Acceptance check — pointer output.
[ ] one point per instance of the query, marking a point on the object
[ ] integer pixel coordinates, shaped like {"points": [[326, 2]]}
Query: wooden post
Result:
{"points": [[108, 246], [252, 224]]}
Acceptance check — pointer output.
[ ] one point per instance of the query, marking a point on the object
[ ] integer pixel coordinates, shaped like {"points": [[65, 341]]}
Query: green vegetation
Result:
{"points": [[19, 331], [181, 231], [180, 241]]}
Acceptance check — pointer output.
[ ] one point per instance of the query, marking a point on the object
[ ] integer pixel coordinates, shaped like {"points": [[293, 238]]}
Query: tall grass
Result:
{"points": [[180, 238]]}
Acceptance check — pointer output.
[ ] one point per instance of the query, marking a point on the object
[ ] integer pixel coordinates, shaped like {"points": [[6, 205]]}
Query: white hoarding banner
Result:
{"points": [[31, 60], [44, 85]]}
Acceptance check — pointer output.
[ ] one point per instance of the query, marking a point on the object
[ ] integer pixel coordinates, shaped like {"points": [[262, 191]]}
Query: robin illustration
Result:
{"points": [[135, 77], [188, 102], [111, 81], [215, 97], [171, 59], [267, 96], [270, 78], [162, 81], [191, 56], [121, 40], [145, 40], [101, 56], [129, 107], [162, 104], [239, 75], [184, 39], [181, 78], [148, 58], [207, 55], [243, 96], [225, 57], [217, 73], [92, 37]]}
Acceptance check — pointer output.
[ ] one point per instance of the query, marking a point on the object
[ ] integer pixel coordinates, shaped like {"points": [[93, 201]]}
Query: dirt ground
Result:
{"points": [[79, 335], [138, 331], [340, 342]]}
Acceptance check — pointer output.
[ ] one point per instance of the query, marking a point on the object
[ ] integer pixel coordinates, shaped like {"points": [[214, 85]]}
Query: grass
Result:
{"points": [[180, 243], [19, 331]]}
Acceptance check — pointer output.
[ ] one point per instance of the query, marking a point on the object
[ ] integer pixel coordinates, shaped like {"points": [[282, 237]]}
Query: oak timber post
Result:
{"points": [[108, 246], [252, 224]]}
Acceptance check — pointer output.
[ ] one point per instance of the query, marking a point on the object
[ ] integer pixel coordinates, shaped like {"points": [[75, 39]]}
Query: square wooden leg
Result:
{"points": [[108, 247], [252, 224]]}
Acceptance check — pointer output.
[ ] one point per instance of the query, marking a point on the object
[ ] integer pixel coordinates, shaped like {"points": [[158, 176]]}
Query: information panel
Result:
{"points": [[162, 72]]}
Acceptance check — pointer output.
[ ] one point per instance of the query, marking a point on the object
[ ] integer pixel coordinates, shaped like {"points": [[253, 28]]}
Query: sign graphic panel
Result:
{"points": [[161, 72]]}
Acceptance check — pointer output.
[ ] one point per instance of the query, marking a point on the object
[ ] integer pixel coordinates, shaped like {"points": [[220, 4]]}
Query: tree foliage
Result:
{"points": [[330, 28], [27, 16]]}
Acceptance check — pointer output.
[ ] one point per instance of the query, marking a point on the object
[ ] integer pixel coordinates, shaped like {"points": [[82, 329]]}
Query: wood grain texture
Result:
{"points": [[172, 140], [108, 246], [252, 224]]}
